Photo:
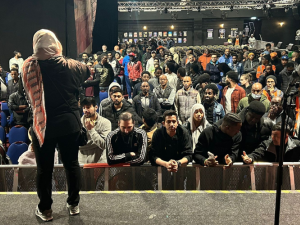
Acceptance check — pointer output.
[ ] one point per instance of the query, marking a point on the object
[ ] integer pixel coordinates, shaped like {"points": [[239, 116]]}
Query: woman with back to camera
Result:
{"points": [[51, 84]]}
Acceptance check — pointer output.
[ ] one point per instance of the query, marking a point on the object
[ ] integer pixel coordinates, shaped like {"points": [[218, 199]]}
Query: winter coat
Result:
{"points": [[153, 104], [244, 102], [135, 70]]}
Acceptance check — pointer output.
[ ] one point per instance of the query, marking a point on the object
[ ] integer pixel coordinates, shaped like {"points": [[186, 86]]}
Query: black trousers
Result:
{"points": [[45, 162]]}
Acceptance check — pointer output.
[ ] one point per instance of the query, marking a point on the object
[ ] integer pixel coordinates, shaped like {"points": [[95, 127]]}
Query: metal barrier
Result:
{"points": [[257, 176]]}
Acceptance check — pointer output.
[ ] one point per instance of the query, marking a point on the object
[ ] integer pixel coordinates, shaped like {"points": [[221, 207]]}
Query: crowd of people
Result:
{"points": [[165, 106]]}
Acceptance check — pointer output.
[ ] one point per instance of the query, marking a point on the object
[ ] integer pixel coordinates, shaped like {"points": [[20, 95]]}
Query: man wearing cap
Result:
{"points": [[270, 90], [274, 59], [255, 95], [221, 140], [251, 64], [279, 68], [265, 61], [232, 93], [135, 69], [150, 62]]}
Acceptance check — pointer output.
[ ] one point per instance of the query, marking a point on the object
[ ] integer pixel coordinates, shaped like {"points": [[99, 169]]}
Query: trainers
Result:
{"points": [[73, 209], [45, 215]]}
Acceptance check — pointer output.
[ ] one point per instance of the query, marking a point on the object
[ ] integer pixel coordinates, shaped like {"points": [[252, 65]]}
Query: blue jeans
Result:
{"points": [[128, 86]]}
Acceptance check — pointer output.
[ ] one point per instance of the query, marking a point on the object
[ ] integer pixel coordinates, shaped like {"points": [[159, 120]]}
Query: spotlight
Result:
{"points": [[281, 23], [172, 27], [145, 28], [166, 10], [231, 8], [222, 25]]}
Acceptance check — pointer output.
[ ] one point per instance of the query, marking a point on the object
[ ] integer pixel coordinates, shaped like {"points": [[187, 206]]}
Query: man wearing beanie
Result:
{"points": [[265, 60], [270, 90], [232, 93], [222, 141], [204, 80]]}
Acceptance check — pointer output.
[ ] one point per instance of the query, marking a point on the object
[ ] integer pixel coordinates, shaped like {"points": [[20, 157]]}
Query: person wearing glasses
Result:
{"points": [[270, 90]]}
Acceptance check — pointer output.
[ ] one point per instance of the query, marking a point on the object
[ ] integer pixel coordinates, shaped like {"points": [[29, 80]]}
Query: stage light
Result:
{"points": [[281, 23], [222, 25], [145, 28], [253, 18], [172, 27]]}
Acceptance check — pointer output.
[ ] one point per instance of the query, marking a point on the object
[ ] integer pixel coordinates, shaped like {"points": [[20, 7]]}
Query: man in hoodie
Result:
{"points": [[221, 141], [104, 70], [226, 58], [185, 99], [212, 68], [256, 95], [105, 102], [97, 129], [145, 78], [117, 107], [205, 58], [286, 76], [268, 150], [145, 99], [126, 143]]}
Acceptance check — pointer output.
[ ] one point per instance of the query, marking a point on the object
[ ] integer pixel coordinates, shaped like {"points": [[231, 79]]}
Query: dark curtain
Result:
{"points": [[106, 25]]}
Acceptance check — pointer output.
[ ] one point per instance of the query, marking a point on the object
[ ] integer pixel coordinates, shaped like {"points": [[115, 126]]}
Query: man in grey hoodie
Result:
{"points": [[97, 129]]}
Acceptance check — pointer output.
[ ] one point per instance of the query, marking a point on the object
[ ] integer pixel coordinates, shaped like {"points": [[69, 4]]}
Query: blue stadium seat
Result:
{"points": [[17, 133], [15, 150], [103, 95], [3, 119], [4, 108], [11, 120], [2, 135]]}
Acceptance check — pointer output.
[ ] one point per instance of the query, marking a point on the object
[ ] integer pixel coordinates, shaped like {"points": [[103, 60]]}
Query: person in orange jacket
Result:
{"points": [[265, 61], [205, 58]]}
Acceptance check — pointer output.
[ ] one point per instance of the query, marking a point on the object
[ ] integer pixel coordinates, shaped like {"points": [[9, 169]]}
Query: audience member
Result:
{"points": [[214, 111], [172, 77], [13, 85], [17, 59], [245, 81], [226, 58], [205, 58], [270, 90], [155, 80], [267, 72], [105, 72], [252, 41], [195, 74], [150, 61], [194, 63], [279, 68], [117, 107], [145, 78], [165, 94], [219, 143], [180, 75], [126, 144], [97, 129], [196, 123], [268, 150], [265, 60], [185, 99], [125, 62], [251, 65], [274, 59], [286, 76], [236, 66], [145, 99], [212, 68], [135, 69], [256, 95], [85, 58], [115, 66], [152, 68], [232, 93], [171, 144]]}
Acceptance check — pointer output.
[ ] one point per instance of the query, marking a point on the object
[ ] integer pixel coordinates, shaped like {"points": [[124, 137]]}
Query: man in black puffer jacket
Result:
{"points": [[117, 107]]}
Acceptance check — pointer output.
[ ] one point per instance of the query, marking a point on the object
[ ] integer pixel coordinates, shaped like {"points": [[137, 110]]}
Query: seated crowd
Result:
{"points": [[168, 109]]}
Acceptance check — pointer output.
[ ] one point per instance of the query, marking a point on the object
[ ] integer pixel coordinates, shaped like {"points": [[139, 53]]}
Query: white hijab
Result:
{"points": [[196, 131], [46, 45]]}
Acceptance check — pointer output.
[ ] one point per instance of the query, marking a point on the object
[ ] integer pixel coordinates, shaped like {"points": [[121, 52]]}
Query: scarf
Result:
{"points": [[45, 46]]}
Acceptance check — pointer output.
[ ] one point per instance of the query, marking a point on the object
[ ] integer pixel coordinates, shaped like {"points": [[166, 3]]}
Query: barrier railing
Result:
{"points": [[257, 176]]}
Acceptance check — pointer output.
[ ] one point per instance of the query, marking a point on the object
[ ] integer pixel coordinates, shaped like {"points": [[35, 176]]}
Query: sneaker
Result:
{"points": [[45, 215], [73, 209]]}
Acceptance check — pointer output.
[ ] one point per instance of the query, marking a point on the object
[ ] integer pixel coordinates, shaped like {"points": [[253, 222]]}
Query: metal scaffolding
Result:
{"points": [[204, 5]]}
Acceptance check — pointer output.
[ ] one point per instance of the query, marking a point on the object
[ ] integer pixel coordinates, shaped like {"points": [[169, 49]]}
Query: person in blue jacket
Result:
{"points": [[126, 60], [226, 58]]}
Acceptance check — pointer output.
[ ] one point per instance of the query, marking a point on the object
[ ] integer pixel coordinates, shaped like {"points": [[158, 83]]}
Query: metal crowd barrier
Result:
{"points": [[257, 176]]}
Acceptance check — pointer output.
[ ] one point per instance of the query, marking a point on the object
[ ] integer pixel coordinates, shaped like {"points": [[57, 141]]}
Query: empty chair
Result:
{"points": [[2, 135], [15, 150], [4, 108], [11, 120], [18, 133], [3, 119], [103, 95]]}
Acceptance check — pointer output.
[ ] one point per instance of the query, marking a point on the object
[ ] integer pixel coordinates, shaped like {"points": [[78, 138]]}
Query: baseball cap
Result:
{"points": [[131, 54], [285, 57]]}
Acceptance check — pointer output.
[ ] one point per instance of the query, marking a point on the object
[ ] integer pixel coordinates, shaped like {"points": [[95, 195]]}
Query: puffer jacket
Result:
{"points": [[135, 70], [184, 101], [153, 104], [106, 74]]}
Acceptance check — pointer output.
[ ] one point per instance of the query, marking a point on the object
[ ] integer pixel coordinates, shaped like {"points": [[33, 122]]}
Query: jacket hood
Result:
{"points": [[204, 122], [113, 84]]}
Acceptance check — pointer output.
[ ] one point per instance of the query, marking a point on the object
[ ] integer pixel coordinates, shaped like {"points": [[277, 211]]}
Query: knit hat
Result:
{"points": [[233, 75], [257, 107], [251, 53], [204, 78], [272, 77], [232, 117], [273, 54]]}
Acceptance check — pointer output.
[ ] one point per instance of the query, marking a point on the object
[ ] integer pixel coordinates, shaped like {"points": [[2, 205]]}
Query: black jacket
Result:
{"points": [[167, 148], [12, 87], [67, 75], [195, 80], [153, 104], [95, 82], [118, 147], [15, 100], [213, 140], [109, 112], [137, 89], [105, 73], [267, 152], [188, 67]]}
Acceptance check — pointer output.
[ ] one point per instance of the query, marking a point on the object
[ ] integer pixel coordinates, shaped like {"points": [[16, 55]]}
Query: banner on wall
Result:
{"points": [[222, 33], [234, 32], [210, 33]]}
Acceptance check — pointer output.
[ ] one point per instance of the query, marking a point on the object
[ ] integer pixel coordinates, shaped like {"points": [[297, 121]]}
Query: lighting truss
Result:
{"points": [[204, 5]]}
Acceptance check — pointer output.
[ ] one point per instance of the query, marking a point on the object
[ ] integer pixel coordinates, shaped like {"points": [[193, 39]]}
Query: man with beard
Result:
{"points": [[146, 99], [145, 78], [126, 144], [192, 61], [97, 129], [171, 144], [104, 70], [214, 111], [226, 58], [236, 66], [117, 107], [17, 59]]}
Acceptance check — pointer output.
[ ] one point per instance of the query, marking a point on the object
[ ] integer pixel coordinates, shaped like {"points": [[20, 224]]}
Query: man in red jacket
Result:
{"points": [[135, 69], [232, 93]]}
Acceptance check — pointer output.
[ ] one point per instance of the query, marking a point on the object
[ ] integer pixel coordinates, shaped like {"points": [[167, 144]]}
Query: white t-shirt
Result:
{"points": [[228, 100]]}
